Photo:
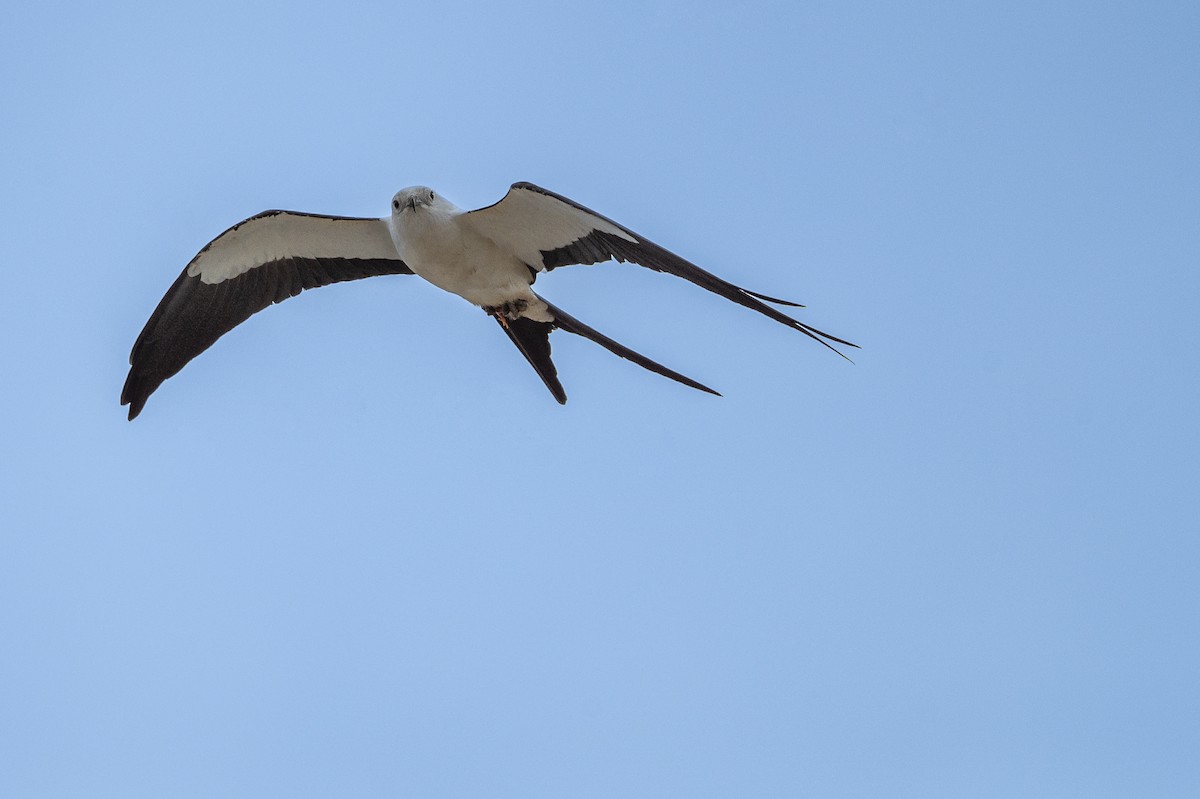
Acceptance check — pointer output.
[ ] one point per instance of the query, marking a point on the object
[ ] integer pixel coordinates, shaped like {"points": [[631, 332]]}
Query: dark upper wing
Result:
{"points": [[547, 230], [265, 259]]}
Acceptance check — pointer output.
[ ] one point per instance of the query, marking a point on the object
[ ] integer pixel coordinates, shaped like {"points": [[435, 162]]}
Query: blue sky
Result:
{"points": [[356, 549]]}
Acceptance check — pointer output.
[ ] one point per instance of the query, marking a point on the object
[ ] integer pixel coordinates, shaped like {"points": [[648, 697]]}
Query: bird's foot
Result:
{"points": [[509, 310]]}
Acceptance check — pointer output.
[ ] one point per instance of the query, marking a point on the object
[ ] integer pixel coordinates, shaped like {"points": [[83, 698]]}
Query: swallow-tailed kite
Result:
{"points": [[490, 257]]}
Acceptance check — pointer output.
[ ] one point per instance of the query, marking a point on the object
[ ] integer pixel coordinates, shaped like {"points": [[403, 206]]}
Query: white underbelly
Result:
{"points": [[467, 265], [483, 284]]}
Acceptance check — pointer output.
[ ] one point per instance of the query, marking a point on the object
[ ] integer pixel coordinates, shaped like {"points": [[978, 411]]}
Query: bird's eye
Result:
{"points": [[395, 205], [432, 195]]}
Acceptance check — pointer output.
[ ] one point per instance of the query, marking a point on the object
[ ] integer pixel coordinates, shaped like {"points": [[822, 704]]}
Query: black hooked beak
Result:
{"points": [[412, 203]]}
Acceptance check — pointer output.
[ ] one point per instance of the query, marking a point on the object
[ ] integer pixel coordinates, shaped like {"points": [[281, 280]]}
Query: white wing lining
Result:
{"points": [[276, 235], [528, 223]]}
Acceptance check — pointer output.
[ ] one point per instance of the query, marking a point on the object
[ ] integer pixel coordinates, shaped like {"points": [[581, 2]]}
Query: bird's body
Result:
{"points": [[436, 239], [490, 257]]}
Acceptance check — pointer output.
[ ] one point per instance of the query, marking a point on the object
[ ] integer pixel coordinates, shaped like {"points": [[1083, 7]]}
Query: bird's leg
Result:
{"points": [[509, 310]]}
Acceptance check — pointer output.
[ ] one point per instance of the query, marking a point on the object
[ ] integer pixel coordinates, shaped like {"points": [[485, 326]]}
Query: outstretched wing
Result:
{"points": [[265, 259], [547, 230]]}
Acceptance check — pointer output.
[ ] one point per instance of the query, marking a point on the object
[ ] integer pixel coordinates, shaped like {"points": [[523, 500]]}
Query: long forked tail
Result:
{"points": [[532, 338], [564, 321]]}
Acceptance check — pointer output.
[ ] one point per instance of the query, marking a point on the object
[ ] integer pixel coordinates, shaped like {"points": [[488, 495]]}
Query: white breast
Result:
{"points": [[455, 258]]}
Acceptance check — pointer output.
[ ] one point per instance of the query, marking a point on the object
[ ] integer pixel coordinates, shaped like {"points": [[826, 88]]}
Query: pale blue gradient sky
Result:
{"points": [[357, 550]]}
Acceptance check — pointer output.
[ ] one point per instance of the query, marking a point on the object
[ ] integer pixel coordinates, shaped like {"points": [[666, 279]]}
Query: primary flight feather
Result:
{"points": [[489, 257]]}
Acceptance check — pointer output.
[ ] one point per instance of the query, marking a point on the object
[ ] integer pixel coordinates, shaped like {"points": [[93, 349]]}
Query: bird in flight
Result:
{"points": [[490, 257]]}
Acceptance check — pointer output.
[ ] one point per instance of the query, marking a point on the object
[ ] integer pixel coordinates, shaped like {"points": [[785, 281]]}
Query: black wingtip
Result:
{"points": [[775, 300], [820, 337], [133, 395]]}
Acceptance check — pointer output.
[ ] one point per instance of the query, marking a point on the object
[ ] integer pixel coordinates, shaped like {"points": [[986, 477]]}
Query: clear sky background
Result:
{"points": [[356, 549]]}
